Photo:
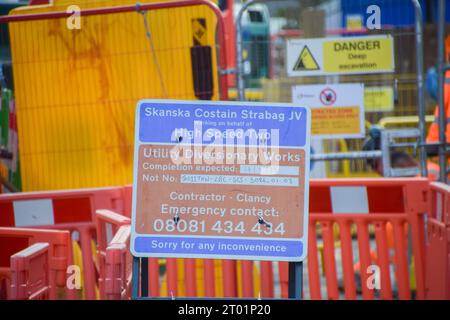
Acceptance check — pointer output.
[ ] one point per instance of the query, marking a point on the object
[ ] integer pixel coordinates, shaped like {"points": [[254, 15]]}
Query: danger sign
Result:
{"points": [[322, 56], [221, 180]]}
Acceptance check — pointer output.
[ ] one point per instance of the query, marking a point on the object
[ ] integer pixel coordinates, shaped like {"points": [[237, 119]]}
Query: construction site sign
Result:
{"points": [[347, 55], [221, 180], [337, 110]]}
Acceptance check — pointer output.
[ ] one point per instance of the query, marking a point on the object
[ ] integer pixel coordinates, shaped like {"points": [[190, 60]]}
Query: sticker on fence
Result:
{"points": [[221, 180], [199, 35], [379, 99], [355, 55], [337, 111]]}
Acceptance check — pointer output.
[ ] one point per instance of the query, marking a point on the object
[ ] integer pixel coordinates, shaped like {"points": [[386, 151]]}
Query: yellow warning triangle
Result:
{"points": [[306, 61]]}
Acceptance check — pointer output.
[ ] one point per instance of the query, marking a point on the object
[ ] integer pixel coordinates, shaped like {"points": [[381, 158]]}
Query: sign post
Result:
{"points": [[221, 180]]}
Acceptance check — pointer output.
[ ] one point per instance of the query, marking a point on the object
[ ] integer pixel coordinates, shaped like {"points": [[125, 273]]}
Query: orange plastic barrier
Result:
{"points": [[30, 273], [61, 207], [362, 203], [72, 210], [210, 288], [113, 233], [107, 225], [386, 206], [267, 290], [229, 278], [383, 204], [185, 276], [438, 243], [374, 207], [13, 240], [117, 281]]}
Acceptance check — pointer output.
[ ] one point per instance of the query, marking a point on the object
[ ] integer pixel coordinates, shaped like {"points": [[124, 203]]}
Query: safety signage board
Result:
{"points": [[379, 99], [337, 110], [324, 56], [221, 180]]}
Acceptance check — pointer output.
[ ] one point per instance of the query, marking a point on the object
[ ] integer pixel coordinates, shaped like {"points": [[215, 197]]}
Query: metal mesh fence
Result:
{"points": [[343, 19]]}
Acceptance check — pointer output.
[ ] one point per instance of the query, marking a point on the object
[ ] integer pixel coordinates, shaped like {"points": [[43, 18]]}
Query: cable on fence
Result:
{"points": [[152, 48]]}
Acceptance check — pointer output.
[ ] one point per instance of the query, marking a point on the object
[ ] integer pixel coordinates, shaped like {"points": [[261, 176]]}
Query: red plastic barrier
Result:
{"points": [[267, 290], [190, 279], [363, 202], [172, 277], [385, 206], [60, 207], [153, 277], [13, 240], [107, 225], [117, 283], [247, 279], [341, 204], [283, 269], [72, 210], [438, 243], [380, 209], [30, 273], [229, 278]]}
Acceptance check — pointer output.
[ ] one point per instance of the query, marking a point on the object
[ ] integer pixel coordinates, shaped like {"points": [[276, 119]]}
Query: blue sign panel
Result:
{"points": [[162, 118]]}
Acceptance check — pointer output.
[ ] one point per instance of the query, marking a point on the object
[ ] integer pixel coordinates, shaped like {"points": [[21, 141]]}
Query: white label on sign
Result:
{"points": [[349, 200], [29, 213]]}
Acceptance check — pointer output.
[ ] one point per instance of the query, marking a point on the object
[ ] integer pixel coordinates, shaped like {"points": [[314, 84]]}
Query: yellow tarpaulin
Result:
{"points": [[76, 89]]}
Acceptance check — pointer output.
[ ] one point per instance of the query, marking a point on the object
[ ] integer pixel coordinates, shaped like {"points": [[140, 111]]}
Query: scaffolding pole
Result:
{"points": [[442, 68]]}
